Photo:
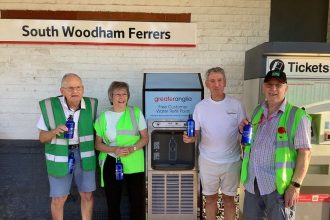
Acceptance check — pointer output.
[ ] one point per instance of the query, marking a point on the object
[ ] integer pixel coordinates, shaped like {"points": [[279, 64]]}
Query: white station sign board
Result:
{"points": [[98, 32], [301, 67]]}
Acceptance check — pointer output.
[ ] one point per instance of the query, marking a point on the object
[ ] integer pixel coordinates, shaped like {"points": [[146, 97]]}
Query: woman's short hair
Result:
{"points": [[117, 85]]}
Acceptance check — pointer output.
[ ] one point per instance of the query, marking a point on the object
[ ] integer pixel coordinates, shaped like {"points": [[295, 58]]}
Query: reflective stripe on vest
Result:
{"points": [[246, 156], [93, 104], [86, 138], [282, 144], [289, 124], [65, 158], [87, 154], [54, 158], [285, 165], [49, 110], [59, 141]]}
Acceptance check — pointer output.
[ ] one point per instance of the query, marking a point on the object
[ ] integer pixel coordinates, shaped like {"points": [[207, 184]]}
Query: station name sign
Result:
{"points": [[301, 67], [98, 32]]}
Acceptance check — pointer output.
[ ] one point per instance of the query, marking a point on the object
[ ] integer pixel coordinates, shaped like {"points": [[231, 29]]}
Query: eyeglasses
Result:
{"points": [[277, 85], [71, 89], [120, 94]]}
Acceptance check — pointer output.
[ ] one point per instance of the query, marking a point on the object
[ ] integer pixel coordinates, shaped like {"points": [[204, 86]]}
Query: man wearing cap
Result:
{"points": [[276, 162], [55, 111]]}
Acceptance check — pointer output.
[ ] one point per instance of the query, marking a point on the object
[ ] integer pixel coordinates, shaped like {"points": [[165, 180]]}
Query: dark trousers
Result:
{"points": [[266, 207], [135, 184]]}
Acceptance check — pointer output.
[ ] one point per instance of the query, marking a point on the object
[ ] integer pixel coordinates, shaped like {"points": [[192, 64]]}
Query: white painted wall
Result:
{"points": [[328, 38], [29, 73]]}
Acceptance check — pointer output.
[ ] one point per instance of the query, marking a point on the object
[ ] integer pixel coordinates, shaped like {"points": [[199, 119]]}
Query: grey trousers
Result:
{"points": [[266, 207]]}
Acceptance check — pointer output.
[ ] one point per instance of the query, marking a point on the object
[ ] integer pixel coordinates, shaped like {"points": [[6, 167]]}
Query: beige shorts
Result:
{"points": [[219, 176]]}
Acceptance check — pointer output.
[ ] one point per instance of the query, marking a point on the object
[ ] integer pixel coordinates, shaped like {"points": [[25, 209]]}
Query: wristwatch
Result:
{"points": [[295, 184], [134, 148]]}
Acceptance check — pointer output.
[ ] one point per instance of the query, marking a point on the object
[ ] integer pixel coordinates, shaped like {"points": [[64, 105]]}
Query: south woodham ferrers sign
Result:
{"points": [[97, 32]]}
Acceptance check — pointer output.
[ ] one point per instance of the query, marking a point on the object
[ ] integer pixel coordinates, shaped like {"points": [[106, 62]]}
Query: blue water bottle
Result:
{"points": [[190, 126], [247, 134], [71, 162], [70, 125], [119, 170]]}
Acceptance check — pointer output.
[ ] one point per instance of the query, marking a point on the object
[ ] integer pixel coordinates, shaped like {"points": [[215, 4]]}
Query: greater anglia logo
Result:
{"points": [[172, 99]]}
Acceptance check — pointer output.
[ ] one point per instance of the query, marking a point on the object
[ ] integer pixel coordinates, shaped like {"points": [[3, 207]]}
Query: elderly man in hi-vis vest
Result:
{"points": [[55, 112], [276, 162]]}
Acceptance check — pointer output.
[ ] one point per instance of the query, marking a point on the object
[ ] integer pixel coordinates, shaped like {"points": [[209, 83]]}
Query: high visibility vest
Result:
{"points": [[56, 151], [127, 135], [285, 152]]}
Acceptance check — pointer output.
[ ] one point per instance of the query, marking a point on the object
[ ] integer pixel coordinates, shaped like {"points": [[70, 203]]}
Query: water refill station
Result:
{"points": [[172, 175], [307, 66]]}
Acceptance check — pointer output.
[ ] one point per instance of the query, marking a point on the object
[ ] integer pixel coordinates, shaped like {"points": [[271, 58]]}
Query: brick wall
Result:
{"points": [[29, 73]]}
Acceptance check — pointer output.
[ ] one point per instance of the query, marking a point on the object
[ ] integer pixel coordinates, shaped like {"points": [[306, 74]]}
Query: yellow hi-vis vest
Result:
{"points": [[57, 150], [127, 135], [285, 153]]}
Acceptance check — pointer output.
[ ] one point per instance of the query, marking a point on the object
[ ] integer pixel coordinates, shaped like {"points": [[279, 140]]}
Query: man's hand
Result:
{"points": [[59, 130], [187, 139], [242, 124], [47, 136], [291, 196]]}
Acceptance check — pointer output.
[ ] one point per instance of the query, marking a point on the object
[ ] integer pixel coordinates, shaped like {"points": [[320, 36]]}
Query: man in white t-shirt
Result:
{"points": [[218, 118]]}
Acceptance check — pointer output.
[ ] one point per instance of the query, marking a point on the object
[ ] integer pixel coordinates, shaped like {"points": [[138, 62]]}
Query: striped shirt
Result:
{"points": [[262, 156]]}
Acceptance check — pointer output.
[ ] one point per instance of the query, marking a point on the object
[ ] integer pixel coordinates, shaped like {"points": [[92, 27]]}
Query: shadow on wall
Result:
{"points": [[24, 188]]}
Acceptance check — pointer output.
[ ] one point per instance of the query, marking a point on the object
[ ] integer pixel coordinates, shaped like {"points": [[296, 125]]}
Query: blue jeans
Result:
{"points": [[266, 207]]}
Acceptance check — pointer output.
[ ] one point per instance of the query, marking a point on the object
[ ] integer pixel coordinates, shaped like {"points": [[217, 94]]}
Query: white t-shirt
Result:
{"points": [[218, 122], [41, 125]]}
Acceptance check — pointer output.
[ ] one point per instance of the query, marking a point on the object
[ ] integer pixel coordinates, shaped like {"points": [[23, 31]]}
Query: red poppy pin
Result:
{"points": [[281, 130]]}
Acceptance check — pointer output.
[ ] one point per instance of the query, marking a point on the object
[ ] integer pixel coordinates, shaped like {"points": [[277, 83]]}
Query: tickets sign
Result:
{"points": [[301, 67]]}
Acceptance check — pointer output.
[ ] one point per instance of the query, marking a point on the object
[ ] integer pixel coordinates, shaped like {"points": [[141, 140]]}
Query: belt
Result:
{"points": [[73, 146]]}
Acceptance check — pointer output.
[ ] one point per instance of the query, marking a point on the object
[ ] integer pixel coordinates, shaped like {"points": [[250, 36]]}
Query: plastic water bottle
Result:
{"points": [[247, 134], [173, 149], [119, 170], [70, 125], [190, 126], [71, 162]]}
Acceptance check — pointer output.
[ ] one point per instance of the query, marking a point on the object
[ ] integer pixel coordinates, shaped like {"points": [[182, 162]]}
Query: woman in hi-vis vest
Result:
{"points": [[121, 134]]}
